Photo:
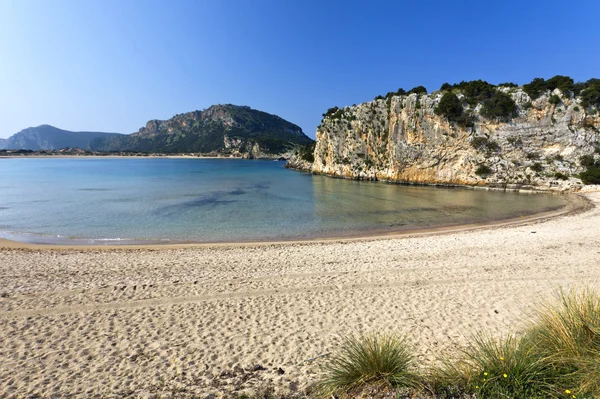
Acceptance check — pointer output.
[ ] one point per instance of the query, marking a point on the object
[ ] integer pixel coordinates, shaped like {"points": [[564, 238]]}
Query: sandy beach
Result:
{"points": [[200, 320]]}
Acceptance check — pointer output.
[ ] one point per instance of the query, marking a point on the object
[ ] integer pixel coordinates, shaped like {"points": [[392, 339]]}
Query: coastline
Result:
{"points": [[143, 322], [576, 203]]}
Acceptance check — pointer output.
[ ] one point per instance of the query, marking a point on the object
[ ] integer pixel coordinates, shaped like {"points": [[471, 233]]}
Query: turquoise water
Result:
{"points": [[98, 200]]}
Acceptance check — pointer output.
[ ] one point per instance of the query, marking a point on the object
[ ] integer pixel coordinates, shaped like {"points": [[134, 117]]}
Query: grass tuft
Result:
{"points": [[567, 334], [498, 368], [372, 359]]}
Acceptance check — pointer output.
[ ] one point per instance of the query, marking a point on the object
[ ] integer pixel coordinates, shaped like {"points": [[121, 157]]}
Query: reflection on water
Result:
{"points": [[131, 200]]}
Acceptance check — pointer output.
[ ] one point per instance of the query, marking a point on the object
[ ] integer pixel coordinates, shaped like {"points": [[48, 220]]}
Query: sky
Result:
{"points": [[112, 65]]}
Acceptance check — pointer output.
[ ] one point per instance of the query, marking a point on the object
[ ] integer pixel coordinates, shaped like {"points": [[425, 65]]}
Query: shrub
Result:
{"points": [[536, 167], [401, 92], [446, 86], [378, 97], [561, 176], [334, 114], [591, 175], [418, 90], [527, 105], [476, 91], [418, 105], [576, 108], [508, 84], [586, 161], [307, 152], [483, 171], [563, 83], [535, 88], [591, 95], [367, 359], [554, 99], [483, 143], [501, 106], [450, 107]]}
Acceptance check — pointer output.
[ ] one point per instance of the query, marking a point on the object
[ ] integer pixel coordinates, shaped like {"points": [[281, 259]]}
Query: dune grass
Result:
{"points": [[556, 356], [507, 367], [567, 335], [367, 360]]}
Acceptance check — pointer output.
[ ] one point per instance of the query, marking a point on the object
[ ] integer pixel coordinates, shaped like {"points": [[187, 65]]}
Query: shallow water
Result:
{"points": [[98, 200]]}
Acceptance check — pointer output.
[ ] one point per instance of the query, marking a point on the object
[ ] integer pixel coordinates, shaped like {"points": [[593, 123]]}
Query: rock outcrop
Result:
{"points": [[400, 138], [224, 129]]}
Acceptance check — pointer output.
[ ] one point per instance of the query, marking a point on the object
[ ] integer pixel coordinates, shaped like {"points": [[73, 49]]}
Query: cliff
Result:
{"points": [[224, 129], [536, 142], [46, 137]]}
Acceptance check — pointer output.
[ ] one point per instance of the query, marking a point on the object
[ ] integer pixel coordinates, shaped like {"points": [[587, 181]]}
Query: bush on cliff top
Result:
{"points": [[451, 107], [499, 106]]}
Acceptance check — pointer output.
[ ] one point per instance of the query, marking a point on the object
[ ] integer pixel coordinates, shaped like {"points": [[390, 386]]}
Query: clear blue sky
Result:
{"points": [[111, 65]]}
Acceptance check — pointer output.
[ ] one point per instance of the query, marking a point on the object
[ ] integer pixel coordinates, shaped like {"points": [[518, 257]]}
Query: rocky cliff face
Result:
{"points": [[224, 129], [402, 139]]}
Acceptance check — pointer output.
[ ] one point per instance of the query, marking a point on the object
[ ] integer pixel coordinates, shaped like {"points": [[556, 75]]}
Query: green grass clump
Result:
{"points": [[557, 356], [567, 335], [498, 368], [372, 359]]}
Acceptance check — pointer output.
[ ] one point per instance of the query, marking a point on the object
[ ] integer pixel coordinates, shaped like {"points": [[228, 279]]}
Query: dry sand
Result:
{"points": [[193, 321]]}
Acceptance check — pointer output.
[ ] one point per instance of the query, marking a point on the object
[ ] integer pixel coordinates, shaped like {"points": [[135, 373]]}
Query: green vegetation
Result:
{"points": [[536, 167], [592, 173], [368, 360], [307, 152], [499, 106], [483, 171], [554, 99], [590, 95], [449, 106], [561, 176], [589, 90], [475, 91], [557, 355], [334, 113], [446, 86], [482, 143], [418, 90]]}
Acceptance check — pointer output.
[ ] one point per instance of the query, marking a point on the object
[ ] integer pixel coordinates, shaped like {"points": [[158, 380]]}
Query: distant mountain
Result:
{"points": [[224, 129], [46, 137]]}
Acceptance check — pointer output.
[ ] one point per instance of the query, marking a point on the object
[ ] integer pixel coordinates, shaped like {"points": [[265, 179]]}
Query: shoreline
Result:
{"points": [[576, 203], [156, 322]]}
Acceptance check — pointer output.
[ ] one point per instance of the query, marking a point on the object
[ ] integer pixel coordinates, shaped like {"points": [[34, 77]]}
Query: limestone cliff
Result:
{"points": [[401, 138]]}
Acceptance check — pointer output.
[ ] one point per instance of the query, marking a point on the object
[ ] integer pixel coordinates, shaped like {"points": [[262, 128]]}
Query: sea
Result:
{"points": [[165, 200]]}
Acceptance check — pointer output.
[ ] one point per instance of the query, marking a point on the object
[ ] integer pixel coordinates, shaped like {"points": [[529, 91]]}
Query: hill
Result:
{"points": [[224, 129], [46, 137]]}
